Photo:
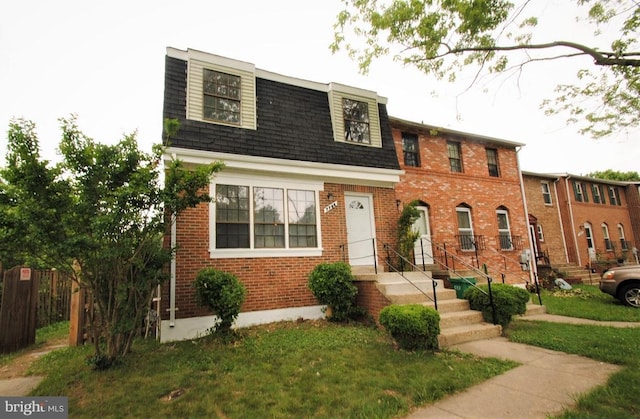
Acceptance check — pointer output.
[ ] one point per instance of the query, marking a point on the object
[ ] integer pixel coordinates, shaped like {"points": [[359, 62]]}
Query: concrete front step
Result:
{"points": [[467, 333], [449, 305], [460, 318], [533, 309]]}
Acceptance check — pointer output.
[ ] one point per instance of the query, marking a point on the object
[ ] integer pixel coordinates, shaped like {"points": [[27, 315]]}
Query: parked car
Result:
{"points": [[623, 282]]}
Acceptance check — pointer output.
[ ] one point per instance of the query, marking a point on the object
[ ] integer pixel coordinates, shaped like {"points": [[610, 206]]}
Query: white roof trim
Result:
{"points": [[326, 172]]}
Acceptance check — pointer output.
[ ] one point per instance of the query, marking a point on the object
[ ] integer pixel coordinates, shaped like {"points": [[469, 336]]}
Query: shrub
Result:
{"points": [[509, 301], [412, 326], [332, 284], [223, 293]]}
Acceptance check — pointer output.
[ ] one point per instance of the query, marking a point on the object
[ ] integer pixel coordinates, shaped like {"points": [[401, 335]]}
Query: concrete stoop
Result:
{"points": [[458, 323]]}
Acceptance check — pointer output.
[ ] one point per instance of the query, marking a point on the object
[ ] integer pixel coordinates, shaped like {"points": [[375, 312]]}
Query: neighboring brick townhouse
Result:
{"points": [[469, 193], [309, 176], [593, 215]]}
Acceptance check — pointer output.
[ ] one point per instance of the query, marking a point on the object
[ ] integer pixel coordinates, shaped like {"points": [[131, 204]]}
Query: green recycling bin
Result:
{"points": [[461, 284]]}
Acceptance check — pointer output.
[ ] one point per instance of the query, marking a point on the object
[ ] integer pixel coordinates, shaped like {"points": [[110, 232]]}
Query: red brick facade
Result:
{"points": [[578, 216], [434, 184], [544, 216], [276, 282]]}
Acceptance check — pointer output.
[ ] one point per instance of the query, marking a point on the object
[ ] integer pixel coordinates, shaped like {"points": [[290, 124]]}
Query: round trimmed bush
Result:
{"points": [[223, 293], [509, 301], [412, 326], [332, 285]]}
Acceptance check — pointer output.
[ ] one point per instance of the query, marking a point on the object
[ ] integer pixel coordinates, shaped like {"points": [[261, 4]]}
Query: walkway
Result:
{"points": [[546, 383]]}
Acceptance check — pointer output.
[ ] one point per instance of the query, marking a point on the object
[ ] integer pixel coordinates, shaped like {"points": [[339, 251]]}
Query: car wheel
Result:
{"points": [[631, 295]]}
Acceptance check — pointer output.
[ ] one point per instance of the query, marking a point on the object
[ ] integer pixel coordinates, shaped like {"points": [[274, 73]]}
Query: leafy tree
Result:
{"points": [[99, 215], [616, 175], [440, 37]]}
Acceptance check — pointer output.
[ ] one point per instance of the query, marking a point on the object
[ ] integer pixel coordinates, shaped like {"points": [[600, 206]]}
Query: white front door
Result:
{"points": [[423, 251], [591, 248], [360, 229]]}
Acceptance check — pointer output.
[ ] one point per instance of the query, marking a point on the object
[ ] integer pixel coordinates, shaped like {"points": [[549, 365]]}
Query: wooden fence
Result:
{"points": [[46, 292], [19, 309], [54, 297]]}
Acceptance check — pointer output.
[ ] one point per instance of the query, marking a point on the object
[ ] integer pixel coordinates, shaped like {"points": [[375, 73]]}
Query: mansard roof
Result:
{"points": [[293, 122]]}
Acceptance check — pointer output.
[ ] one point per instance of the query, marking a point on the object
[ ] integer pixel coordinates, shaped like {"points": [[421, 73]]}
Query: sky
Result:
{"points": [[104, 62]]}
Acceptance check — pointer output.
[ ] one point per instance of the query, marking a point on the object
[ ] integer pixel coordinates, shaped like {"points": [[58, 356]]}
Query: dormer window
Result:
{"points": [[356, 121], [221, 101], [355, 115]]}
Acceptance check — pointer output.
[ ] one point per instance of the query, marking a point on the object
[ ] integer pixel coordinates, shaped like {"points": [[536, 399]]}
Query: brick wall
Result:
{"points": [[370, 297], [442, 191], [547, 216], [272, 283]]}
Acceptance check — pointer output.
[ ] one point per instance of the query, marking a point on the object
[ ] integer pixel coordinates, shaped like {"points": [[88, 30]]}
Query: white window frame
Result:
{"points": [[266, 182], [503, 231], [546, 192], [466, 231], [613, 197], [578, 193], [623, 241], [540, 233], [607, 239], [338, 92]]}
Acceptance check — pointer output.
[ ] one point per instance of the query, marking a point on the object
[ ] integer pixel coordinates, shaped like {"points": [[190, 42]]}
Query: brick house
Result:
{"points": [[594, 217], [469, 192], [544, 218], [309, 176]]}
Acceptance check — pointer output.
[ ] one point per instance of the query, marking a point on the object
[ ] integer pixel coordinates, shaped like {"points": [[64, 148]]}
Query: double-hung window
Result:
{"points": [[356, 121], [546, 193], [578, 191], [410, 150], [504, 231], [607, 240], [260, 219], [597, 194], [492, 162], [614, 195], [465, 229], [221, 101], [455, 156], [623, 242]]}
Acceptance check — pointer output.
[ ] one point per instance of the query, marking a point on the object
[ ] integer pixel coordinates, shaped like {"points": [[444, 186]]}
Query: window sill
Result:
{"points": [[262, 253]]}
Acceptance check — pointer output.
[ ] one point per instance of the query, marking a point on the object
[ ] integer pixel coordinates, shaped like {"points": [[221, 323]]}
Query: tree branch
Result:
{"points": [[600, 58]]}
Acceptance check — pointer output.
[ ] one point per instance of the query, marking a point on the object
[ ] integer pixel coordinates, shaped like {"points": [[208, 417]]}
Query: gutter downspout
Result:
{"points": [[533, 264], [172, 286], [564, 240], [573, 230]]}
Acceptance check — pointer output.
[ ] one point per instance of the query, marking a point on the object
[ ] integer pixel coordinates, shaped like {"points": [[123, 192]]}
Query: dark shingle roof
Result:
{"points": [[294, 123]]}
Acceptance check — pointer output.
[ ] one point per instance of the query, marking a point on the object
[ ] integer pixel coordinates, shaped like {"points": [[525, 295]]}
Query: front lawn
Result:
{"points": [[588, 302], [285, 370]]}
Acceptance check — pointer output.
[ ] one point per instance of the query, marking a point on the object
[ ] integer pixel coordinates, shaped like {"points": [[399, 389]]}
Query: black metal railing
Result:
{"points": [[509, 242], [344, 248], [400, 269]]}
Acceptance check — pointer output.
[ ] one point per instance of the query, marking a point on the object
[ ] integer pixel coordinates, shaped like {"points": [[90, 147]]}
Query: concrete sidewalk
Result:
{"points": [[546, 383]]}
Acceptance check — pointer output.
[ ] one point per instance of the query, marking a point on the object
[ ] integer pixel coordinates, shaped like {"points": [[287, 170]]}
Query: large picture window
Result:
{"points": [[257, 217]]}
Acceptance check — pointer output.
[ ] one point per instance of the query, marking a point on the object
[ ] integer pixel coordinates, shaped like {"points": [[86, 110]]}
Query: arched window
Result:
{"points": [[607, 240], [504, 229], [466, 240], [624, 245]]}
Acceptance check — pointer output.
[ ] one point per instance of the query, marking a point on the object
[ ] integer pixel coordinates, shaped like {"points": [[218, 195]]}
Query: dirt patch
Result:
{"points": [[18, 366]]}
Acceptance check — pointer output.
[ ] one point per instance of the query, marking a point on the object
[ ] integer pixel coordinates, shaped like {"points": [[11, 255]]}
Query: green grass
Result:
{"points": [[286, 370], [588, 302], [56, 331], [619, 397]]}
